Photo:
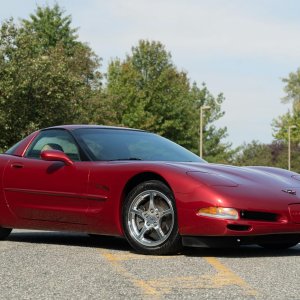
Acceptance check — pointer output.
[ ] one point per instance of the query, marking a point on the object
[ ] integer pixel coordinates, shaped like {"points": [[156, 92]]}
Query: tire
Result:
{"points": [[4, 233], [150, 219], [279, 246]]}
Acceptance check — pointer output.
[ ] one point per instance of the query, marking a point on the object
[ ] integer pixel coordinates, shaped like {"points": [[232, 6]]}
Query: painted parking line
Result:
{"points": [[225, 276], [141, 284], [129, 256], [157, 287]]}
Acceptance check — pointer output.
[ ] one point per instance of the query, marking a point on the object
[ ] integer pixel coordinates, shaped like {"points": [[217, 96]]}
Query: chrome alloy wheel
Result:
{"points": [[151, 218]]}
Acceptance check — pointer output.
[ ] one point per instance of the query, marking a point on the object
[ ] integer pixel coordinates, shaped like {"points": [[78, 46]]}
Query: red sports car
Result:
{"points": [[132, 183]]}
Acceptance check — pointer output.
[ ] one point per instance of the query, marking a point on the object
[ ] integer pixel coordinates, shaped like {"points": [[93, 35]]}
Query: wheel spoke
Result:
{"points": [[151, 202], [159, 231], [166, 212], [138, 213], [142, 232]]}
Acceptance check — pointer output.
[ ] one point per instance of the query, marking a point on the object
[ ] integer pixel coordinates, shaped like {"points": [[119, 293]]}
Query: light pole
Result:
{"points": [[289, 145], [202, 108]]}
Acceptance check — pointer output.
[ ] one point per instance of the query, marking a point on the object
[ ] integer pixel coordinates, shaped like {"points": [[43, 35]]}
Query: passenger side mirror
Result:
{"points": [[56, 155]]}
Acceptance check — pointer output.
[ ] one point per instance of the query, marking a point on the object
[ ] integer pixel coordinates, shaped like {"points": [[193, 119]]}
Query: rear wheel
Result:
{"points": [[278, 246], [150, 219], [4, 233]]}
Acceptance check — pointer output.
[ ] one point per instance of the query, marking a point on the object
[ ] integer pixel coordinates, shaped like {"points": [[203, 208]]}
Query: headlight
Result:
{"points": [[219, 212]]}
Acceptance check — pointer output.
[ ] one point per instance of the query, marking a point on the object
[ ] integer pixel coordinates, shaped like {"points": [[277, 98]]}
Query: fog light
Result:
{"points": [[219, 212]]}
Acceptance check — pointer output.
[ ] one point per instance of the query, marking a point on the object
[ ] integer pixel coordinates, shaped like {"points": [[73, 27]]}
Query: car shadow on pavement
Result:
{"points": [[120, 244], [242, 251], [69, 239]]}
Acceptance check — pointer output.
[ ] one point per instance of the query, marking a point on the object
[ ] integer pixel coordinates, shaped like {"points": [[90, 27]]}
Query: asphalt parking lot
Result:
{"points": [[55, 265]]}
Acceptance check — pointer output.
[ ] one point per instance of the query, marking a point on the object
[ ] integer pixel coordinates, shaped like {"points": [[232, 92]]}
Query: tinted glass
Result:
{"points": [[13, 148], [54, 140], [114, 144]]}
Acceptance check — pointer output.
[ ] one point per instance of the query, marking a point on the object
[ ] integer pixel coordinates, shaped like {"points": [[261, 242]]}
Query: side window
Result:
{"points": [[54, 139]]}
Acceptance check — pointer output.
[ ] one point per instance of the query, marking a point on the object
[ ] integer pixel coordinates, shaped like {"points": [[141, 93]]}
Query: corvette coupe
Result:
{"points": [[135, 184]]}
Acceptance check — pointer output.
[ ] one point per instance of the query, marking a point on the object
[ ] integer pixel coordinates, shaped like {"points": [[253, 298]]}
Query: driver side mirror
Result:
{"points": [[56, 155]]}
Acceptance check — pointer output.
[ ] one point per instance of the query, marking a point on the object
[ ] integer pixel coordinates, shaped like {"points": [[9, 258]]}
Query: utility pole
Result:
{"points": [[202, 108], [289, 145]]}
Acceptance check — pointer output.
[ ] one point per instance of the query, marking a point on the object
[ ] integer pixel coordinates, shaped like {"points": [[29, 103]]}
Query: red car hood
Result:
{"points": [[224, 175], [254, 188]]}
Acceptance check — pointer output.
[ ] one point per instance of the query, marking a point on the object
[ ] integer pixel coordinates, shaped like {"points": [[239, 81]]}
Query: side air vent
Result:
{"points": [[258, 216]]}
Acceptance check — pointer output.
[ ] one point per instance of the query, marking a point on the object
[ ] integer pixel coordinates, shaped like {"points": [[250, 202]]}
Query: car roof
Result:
{"points": [[80, 126]]}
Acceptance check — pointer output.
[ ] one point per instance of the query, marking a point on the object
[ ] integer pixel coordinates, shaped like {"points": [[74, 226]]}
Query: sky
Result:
{"points": [[242, 48]]}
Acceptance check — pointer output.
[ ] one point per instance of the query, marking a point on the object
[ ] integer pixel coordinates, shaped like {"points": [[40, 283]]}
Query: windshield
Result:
{"points": [[118, 144]]}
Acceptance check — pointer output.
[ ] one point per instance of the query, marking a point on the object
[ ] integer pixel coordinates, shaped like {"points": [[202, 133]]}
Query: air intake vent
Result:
{"points": [[238, 227], [258, 216]]}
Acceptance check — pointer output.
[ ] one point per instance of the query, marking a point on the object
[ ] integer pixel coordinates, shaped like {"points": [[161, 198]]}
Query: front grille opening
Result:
{"points": [[258, 216], [238, 227]]}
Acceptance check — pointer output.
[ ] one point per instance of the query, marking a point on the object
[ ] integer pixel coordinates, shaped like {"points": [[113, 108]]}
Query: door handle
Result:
{"points": [[17, 165]]}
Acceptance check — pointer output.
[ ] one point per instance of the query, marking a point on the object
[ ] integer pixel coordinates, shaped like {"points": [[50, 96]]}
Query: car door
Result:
{"points": [[41, 190]]}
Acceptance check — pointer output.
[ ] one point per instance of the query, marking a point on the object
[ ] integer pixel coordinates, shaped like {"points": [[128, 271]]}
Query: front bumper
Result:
{"points": [[207, 226]]}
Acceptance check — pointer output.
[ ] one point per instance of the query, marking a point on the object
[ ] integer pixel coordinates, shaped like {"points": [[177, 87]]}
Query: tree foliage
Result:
{"points": [[292, 89], [48, 77], [147, 91], [42, 82], [276, 153], [52, 27], [214, 148], [292, 117], [271, 155], [291, 120]]}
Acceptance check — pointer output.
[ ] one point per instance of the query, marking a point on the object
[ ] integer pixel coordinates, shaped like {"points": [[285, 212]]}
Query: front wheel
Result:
{"points": [[4, 233], [150, 219]]}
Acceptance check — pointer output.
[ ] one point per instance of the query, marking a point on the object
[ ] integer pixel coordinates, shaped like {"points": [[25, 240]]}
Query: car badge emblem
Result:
{"points": [[290, 191]]}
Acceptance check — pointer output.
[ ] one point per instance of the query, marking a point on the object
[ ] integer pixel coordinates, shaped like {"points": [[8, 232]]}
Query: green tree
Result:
{"points": [[272, 155], [43, 84], [214, 148], [292, 89], [292, 117], [52, 27], [147, 91], [254, 154], [281, 125]]}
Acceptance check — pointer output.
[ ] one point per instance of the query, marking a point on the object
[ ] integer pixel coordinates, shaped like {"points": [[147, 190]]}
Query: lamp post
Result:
{"points": [[202, 108], [289, 145]]}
